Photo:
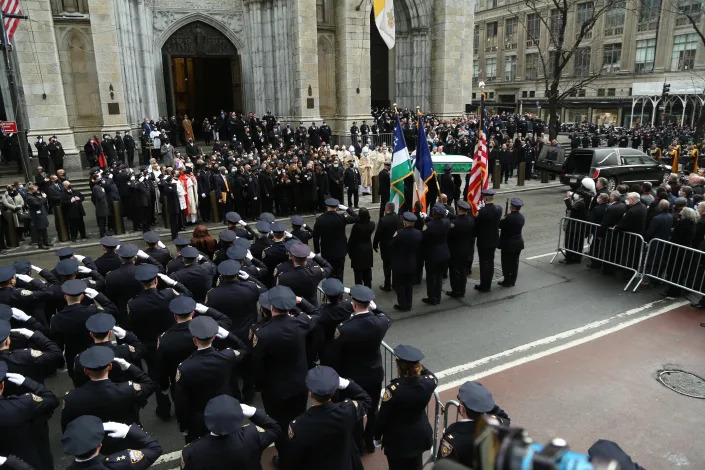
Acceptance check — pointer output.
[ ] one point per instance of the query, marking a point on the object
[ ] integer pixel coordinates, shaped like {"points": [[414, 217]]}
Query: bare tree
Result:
{"points": [[564, 48]]}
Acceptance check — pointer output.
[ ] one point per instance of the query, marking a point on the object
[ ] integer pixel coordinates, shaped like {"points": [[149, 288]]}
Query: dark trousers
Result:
{"points": [[434, 279], [174, 224], [224, 207], [283, 411], [140, 219], [387, 268], [76, 226], [353, 196], [102, 224], [363, 276], [458, 275], [336, 191], [405, 463], [40, 236], [404, 285], [486, 267], [338, 265], [506, 171], [510, 266], [130, 157], [204, 207], [374, 390]]}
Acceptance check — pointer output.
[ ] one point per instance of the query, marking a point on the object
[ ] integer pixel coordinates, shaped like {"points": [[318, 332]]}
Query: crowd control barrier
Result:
{"points": [[677, 265]]}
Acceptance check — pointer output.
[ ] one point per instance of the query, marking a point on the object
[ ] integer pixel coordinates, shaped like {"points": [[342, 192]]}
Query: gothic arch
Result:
{"points": [[326, 75], [418, 13], [80, 78], [192, 17]]}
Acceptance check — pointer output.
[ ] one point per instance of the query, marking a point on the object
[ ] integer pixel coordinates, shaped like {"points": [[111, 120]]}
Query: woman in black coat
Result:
{"points": [[679, 259], [360, 248]]}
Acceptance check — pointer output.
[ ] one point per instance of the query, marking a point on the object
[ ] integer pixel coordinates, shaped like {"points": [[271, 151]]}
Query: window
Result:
{"points": [[532, 67], [600, 92], [476, 39], [556, 24], [532, 94], [510, 34], [689, 9], [475, 70], [649, 11], [510, 68], [581, 93], [684, 47], [491, 69], [611, 58], [491, 37], [581, 66], [611, 91], [524, 94], [645, 51], [533, 30], [474, 96], [492, 4], [614, 19], [321, 11], [584, 15], [492, 95]]}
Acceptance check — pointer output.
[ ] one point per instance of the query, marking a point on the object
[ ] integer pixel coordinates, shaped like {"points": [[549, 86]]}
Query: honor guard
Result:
{"points": [[511, 242], [458, 441], [487, 234], [322, 437], [303, 278], [104, 398], [230, 442], [329, 235], [110, 260], [404, 247], [402, 425], [84, 437], [461, 243], [156, 249], [197, 278], [355, 352], [434, 245]]}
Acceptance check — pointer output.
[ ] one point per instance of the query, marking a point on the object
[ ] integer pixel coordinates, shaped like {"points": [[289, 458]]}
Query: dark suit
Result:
{"points": [[404, 247], [329, 238], [108, 262], [386, 228], [360, 251], [607, 240], [511, 243], [434, 245], [487, 234], [461, 243], [73, 213], [384, 189]]}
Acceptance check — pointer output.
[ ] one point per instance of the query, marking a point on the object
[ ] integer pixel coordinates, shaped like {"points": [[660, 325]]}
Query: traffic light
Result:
{"points": [[666, 89]]}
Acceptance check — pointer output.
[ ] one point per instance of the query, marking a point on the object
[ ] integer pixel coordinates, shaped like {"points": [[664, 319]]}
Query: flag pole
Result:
{"points": [[408, 162], [435, 177]]}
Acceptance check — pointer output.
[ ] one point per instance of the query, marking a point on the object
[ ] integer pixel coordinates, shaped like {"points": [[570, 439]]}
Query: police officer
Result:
{"points": [[300, 230], [276, 252], [403, 425], [156, 249], [225, 241], [110, 260], [404, 247], [68, 252], [254, 268], [355, 353], [461, 243], [322, 437], [230, 443], [33, 301], [104, 398], [198, 278], [204, 375], [101, 327], [67, 269], [511, 243], [302, 278], [329, 235], [38, 360], [334, 309], [84, 436], [279, 362], [487, 233], [262, 240], [18, 319], [68, 326], [434, 244], [20, 416], [178, 261], [458, 441], [387, 227], [239, 226]]}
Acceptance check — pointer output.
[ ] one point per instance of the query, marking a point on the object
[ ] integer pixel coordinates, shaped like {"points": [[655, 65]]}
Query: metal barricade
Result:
{"points": [[677, 265], [623, 250]]}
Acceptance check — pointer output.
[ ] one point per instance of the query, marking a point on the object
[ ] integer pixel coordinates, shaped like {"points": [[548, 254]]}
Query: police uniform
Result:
{"points": [[262, 241], [329, 237], [434, 245], [38, 360], [355, 352], [303, 234], [276, 252], [241, 231], [32, 302], [85, 434], [178, 261], [110, 259], [404, 247], [203, 375], [322, 437], [198, 278], [254, 268], [461, 243], [402, 423], [487, 234], [304, 279], [511, 243], [386, 228], [225, 241], [110, 401], [20, 416], [335, 310], [230, 443], [162, 255]]}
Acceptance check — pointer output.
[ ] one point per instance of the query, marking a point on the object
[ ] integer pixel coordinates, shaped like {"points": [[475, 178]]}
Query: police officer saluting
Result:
{"points": [[511, 243], [304, 278], [230, 443], [300, 230], [198, 278], [329, 235], [156, 249], [110, 259], [461, 242], [405, 246], [487, 233]]}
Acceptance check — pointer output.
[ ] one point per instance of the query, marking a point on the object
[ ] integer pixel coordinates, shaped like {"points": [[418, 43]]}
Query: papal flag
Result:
{"points": [[401, 166], [384, 18]]}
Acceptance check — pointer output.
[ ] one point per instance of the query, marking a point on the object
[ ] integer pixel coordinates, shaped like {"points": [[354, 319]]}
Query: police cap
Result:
{"points": [[322, 380], [439, 208], [516, 202], [282, 298], [409, 216], [22, 266], [67, 267], [227, 236], [5, 312], [297, 220], [464, 205], [278, 227], [447, 167], [7, 273], [74, 287], [229, 267], [263, 226], [181, 242], [264, 301], [4, 329], [182, 305], [110, 242], [362, 293], [236, 253], [610, 450], [242, 242], [233, 217], [408, 353], [84, 434], [100, 323], [65, 251], [475, 397], [332, 287], [332, 202], [128, 250], [203, 327], [267, 217], [488, 192], [189, 252], [146, 272], [289, 244], [150, 237], [223, 415], [299, 250], [96, 357]]}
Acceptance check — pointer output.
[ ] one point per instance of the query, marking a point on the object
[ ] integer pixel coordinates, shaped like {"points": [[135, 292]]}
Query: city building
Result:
{"points": [[89, 67], [632, 51]]}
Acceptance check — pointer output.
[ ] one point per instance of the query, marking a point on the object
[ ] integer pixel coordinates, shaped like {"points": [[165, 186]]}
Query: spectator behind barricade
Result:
{"points": [[661, 224], [202, 241], [687, 193], [682, 234], [622, 189], [647, 198]]}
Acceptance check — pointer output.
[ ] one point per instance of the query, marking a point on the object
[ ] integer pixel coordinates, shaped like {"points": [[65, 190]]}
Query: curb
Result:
{"points": [[523, 190]]}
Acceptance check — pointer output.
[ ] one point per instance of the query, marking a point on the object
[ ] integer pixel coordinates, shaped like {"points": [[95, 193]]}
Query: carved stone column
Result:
{"points": [[306, 103]]}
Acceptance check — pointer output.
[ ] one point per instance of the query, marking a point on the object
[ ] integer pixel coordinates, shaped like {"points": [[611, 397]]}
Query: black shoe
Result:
{"points": [[429, 301], [505, 284], [385, 288], [482, 289], [370, 448], [50, 244], [42, 247], [164, 415], [455, 295], [401, 309]]}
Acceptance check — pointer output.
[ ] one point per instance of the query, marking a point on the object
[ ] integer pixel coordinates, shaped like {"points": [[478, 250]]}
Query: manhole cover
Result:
{"points": [[683, 382]]}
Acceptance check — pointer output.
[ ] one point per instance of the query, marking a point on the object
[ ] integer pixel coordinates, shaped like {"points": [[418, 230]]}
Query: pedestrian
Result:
{"points": [[434, 245], [72, 208], [511, 242], [404, 247], [39, 219], [577, 204], [487, 234], [461, 243], [360, 248], [329, 235], [387, 227]]}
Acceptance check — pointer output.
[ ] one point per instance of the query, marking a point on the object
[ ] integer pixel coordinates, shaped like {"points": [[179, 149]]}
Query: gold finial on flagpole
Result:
{"points": [[418, 111], [396, 111]]}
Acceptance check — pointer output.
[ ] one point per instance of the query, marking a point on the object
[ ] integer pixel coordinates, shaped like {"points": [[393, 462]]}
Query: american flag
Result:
{"points": [[478, 174], [11, 7]]}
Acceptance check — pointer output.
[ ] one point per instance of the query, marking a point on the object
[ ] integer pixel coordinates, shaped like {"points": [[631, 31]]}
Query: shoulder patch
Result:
{"points": [[178, 374], [136, 456], [254, 340], [137, 387], [337, 333], [36, 398], [291, 432], [25, 292], [132, 348], [387, 396], [259, 429], [446, 448], [35, 352]]}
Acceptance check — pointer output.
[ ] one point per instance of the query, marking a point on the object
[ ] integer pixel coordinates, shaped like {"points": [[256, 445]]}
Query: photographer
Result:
{"points": [[577, 204]]}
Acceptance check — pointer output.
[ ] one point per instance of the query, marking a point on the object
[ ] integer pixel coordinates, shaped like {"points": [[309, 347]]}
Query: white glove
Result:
{"points": [[84, 270], [124, 365], [141, 179], [243, 275], [142, 255], [19, 315], [423, 215], [17, 379], [116, 430], [288, 235], [373, 305], [342, 207], [247, 410], [199, 257], [346, 290], [27, 333], [222, 333], [90, 292], [79, 258], [24, 277], [110, 176], [117, 248], [36, 269], [203, 195], [242, 223], [2, 460], [160, 244], [304, 226], [343, 383], [249, 255], [119, 332], [167, 280], [200, 308], [377, 443], [311, 255]]}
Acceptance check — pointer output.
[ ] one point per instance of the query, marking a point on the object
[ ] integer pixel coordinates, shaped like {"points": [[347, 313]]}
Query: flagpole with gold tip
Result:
{"points": [[416, 189]]}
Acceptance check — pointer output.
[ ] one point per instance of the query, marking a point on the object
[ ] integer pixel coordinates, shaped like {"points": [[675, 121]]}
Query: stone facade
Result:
{"points": [[107, 64]]}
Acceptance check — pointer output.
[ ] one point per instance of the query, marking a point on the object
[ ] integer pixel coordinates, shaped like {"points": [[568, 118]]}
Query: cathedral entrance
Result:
{"points": [[381, 95], [202, 72]]}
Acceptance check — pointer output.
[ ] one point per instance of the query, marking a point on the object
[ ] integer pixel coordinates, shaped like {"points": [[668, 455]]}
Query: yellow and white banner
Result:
{"points": [[384, 18]]}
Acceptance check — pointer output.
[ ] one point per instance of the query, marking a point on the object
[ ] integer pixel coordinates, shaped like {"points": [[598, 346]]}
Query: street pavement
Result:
{"points": [[567, 352]]}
